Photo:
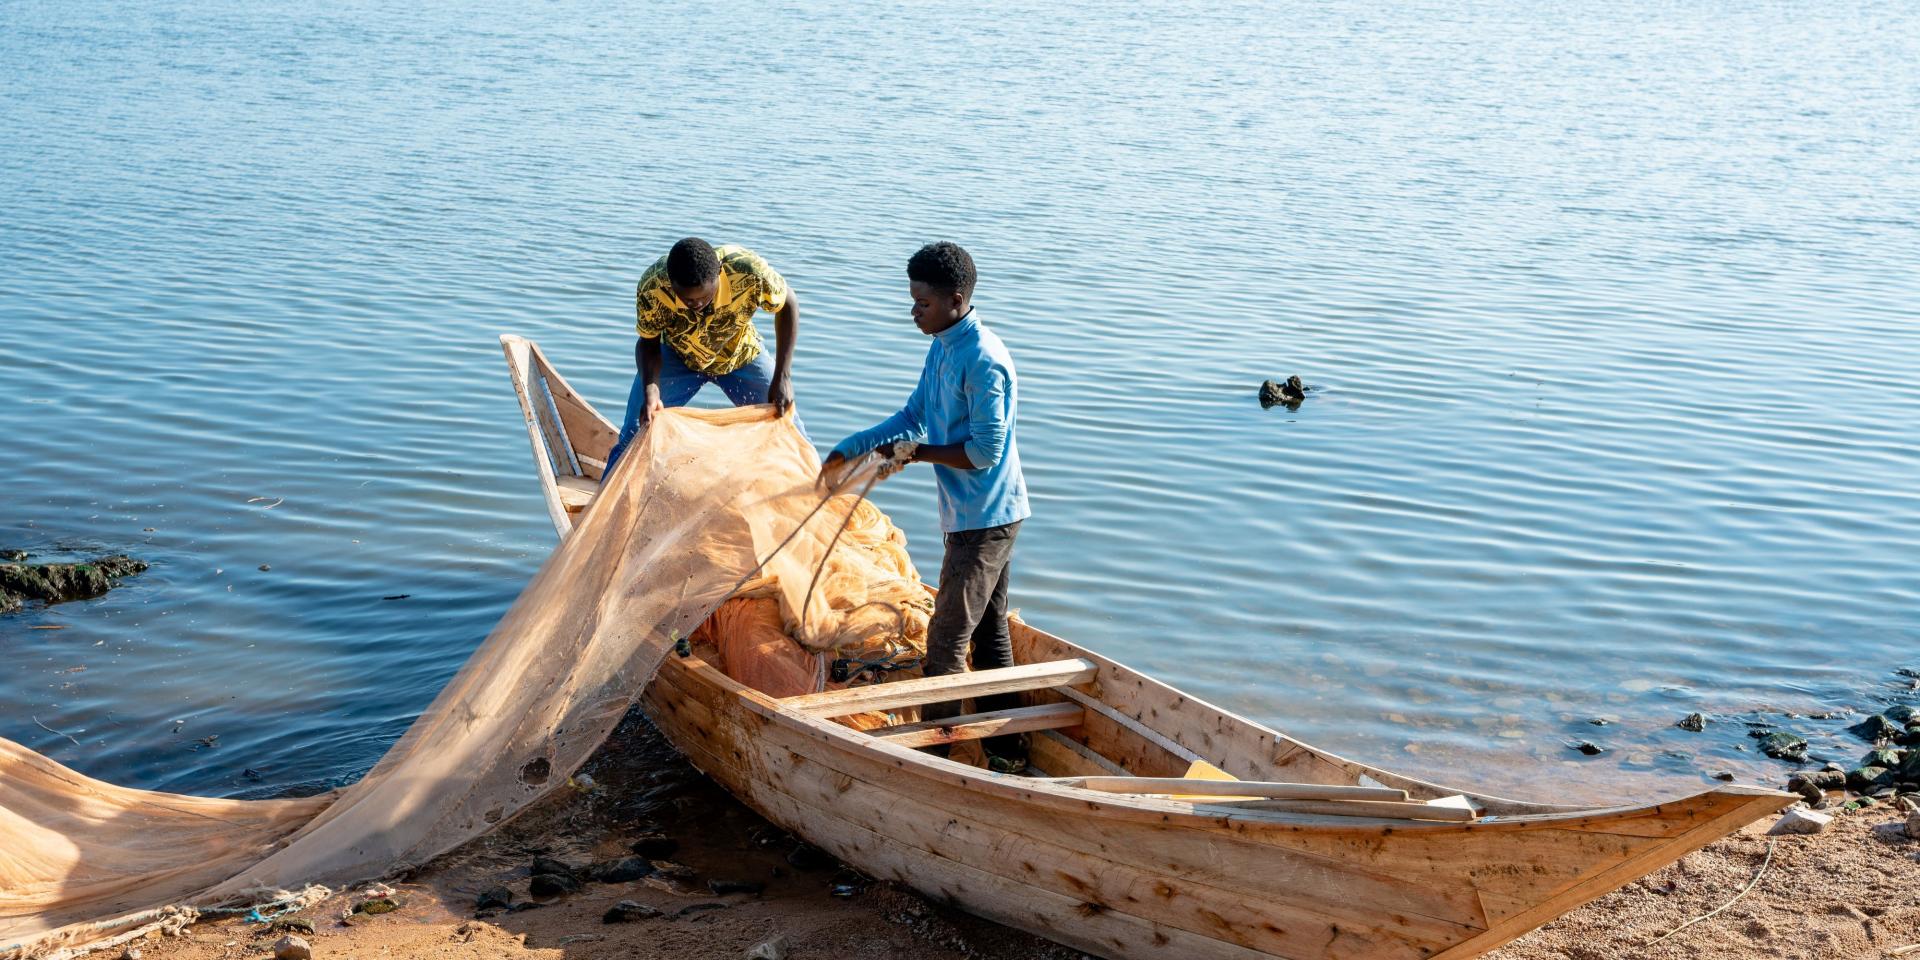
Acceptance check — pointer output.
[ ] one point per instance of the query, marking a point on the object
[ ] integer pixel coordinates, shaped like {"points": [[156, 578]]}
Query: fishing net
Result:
{"points": [[706, 506]]}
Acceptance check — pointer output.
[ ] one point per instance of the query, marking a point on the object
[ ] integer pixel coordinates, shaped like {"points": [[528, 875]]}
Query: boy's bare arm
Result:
{"points": [[945, 454]]}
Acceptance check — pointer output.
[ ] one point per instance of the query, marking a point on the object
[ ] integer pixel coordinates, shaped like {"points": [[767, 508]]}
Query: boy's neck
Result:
{"points": [[966, 312]]}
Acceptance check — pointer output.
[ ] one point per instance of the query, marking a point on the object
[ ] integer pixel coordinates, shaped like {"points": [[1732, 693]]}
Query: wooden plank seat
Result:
{"points": [[1330, 800], [1265, 790], [576, 492], [924, 690], [974, 726]]}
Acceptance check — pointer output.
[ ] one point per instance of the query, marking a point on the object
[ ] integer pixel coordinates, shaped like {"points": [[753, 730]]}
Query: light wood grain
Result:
{"points": [[975, 726], [1234, 788], [924, 690]]}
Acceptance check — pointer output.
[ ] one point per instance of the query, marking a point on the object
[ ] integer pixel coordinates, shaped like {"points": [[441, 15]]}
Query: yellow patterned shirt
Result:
{"points": [[721, 338]]}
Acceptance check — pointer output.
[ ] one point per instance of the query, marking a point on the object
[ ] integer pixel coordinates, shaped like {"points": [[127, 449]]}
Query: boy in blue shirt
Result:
{"points": [[960, 418]]}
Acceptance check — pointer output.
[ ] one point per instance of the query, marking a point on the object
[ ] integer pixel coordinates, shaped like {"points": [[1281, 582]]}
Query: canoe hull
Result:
{"points": [[1137, 876], [1118, 882]]}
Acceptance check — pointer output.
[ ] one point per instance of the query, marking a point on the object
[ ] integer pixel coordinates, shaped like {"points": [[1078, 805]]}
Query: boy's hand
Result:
{"points": [[653, 401], [830, 471], [780, 393]]}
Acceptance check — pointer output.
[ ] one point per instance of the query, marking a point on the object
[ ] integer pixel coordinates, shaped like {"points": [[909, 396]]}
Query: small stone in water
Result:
{"points": [[1694, 723], [264, 568], [1289, 394], [1784, 746], [1724, 776], [1875, 729], [1589, 748]]}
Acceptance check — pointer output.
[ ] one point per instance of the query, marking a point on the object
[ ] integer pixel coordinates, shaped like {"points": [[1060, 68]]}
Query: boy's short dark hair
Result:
{"points": [[692, 262], [943, 266]]}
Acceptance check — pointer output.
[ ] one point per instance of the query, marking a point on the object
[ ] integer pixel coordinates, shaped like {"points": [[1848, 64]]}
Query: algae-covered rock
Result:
{"points": [[1908, 770], [1902, 714], [1784, 746], [1862, 779], [1882, 757], [60, 582], [1875, 729]]}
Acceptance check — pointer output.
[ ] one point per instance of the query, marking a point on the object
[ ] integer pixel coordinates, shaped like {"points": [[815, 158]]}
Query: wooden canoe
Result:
{"points": [[1118, 850]]}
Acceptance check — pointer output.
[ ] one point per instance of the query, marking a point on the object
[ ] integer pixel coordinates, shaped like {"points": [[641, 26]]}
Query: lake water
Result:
{"points": [[1610, 310]]}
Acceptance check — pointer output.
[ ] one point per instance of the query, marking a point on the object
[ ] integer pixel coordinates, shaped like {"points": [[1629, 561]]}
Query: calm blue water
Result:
{"points": [[1611, 308]]}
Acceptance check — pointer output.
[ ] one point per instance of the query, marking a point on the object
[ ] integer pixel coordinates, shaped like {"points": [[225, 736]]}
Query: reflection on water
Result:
{"points": [[1610, 315]]}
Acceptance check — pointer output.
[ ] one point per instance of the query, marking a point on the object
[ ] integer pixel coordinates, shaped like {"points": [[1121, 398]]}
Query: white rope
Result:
{"points": [[1743, 892]]}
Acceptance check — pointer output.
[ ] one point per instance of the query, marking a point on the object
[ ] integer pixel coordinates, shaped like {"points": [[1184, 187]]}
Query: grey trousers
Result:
{"points": [[970, 614]]}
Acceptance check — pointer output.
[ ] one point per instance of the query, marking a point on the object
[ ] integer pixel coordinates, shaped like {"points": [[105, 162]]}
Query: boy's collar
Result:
{"points": [[962, 326]]}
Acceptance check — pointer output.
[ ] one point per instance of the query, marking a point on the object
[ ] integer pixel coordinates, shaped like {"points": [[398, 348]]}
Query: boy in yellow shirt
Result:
{"points": [[694, 310]]}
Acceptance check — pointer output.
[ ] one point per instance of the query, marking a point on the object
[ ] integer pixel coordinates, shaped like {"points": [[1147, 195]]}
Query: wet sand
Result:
{"points": [[1853, 892]]}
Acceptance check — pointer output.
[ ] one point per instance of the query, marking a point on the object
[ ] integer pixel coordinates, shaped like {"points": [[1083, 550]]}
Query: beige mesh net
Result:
{"points": [[708, 503]]}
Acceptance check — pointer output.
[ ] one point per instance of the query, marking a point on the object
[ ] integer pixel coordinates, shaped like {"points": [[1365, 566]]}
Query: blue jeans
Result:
{"points": [[745, 386]]}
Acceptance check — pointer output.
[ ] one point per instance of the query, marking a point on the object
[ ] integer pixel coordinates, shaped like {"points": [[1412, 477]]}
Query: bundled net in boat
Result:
{"points": [[708, 502], [875, 629]]}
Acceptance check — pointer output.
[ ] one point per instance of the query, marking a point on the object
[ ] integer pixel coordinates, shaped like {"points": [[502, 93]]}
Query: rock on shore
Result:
{"points": [[61, 582]]}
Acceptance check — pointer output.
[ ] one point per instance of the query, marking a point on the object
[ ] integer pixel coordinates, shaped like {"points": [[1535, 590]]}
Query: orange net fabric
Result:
{"points": [[747, 639], [702, 503]]}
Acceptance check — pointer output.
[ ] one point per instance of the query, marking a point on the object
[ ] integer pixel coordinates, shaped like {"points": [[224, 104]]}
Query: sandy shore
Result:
{"points": [[1853, 892]]}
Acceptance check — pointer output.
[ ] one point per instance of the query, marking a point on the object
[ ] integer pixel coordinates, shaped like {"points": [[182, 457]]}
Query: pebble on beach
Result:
{"points": [[292, 948], [771, 949], [1800, 823], [623, 870], [627, 911]]}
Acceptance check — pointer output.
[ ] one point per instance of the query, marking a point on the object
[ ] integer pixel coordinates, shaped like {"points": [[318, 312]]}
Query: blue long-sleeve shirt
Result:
{"points": [[965, 395]]}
